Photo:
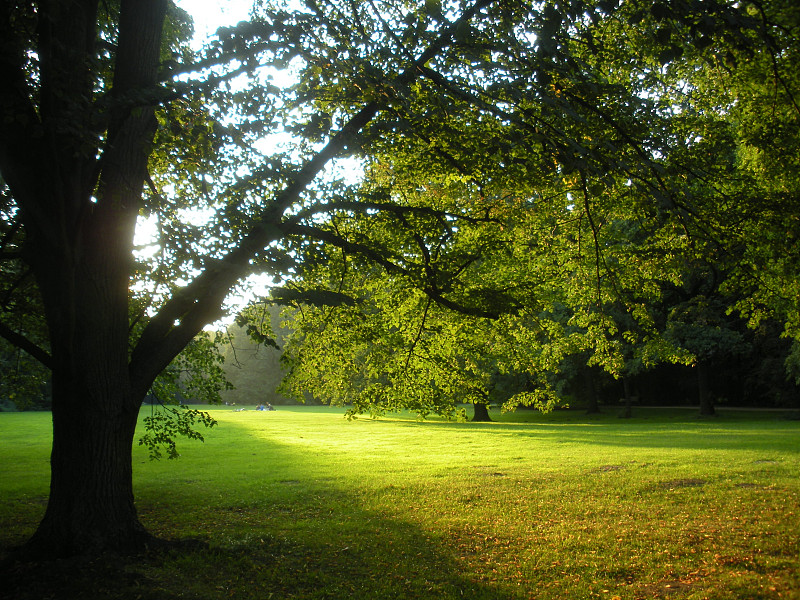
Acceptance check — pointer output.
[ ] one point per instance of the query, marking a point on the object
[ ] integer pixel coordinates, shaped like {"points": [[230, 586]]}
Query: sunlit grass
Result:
{"points": [[300, 503]]}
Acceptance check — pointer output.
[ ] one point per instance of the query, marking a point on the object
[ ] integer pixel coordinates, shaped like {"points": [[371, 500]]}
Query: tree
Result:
{"points": [[394, 339], [103, 109], [625, 156]]}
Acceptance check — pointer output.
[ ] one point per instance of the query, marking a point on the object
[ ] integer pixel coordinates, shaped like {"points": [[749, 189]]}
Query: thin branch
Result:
{"points": [[14, 287], [236, 361], [390, 207], [388, 30], [595, 234], [420, 329], [9, 235]]}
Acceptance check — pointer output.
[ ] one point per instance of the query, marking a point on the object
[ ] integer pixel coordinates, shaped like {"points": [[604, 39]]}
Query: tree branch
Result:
{"points": [[20, 341], [429, 287], [184, 315], [392, 208]]}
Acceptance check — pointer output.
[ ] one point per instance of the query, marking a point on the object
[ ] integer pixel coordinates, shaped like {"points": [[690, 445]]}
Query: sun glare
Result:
{"points": [[209, 16]]}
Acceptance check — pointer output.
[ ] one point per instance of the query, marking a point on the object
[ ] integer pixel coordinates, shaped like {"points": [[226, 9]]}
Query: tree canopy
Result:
{"points": [[607, 178], [551, 167]]}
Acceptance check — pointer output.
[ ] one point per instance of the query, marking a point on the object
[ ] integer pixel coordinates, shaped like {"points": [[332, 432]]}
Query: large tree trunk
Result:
{"points": [[91, 508], [80, 222], [95, 410]]}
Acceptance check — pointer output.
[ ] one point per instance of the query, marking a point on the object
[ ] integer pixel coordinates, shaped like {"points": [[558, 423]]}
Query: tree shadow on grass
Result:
{"points": [[280, 521], [293, 531], [399, 562], [256, 567]]}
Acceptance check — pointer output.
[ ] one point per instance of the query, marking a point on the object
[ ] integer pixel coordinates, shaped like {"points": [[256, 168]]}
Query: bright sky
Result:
{"points": [[208, 16]]}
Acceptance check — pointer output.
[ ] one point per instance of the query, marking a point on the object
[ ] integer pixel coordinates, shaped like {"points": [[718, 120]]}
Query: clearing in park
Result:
{"points": [[300, 503]]}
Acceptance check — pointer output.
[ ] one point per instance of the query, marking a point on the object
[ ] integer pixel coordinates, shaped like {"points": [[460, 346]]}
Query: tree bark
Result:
{"points": [[95, 412], [481, 413], [626, 386], [80, 215], [90, 509]]}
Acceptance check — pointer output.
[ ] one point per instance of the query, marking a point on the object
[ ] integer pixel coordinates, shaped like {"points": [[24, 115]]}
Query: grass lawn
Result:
{"points": [[300, 503]]}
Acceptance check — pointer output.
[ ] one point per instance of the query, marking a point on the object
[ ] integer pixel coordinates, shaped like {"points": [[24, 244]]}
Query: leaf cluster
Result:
{"points": [[167, 423]]}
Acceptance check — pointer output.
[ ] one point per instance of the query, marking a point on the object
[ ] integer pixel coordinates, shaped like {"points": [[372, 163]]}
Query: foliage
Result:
{"points": [[24, 381], [596, 164], [166, 423], [576, 198], [196, 375], [697, 326]]}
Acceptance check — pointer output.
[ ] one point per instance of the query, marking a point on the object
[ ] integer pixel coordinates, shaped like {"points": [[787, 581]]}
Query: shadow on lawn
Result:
{"points": [[258, 567], [288, 526], [301, 537]]}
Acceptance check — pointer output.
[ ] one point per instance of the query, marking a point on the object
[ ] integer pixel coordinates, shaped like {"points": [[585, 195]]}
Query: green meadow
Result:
{"points": [[301, 503]]}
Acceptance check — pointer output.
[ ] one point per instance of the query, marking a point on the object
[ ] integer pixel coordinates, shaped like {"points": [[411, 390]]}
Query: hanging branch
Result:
{"points": [[597, 252], [420, 329]]}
